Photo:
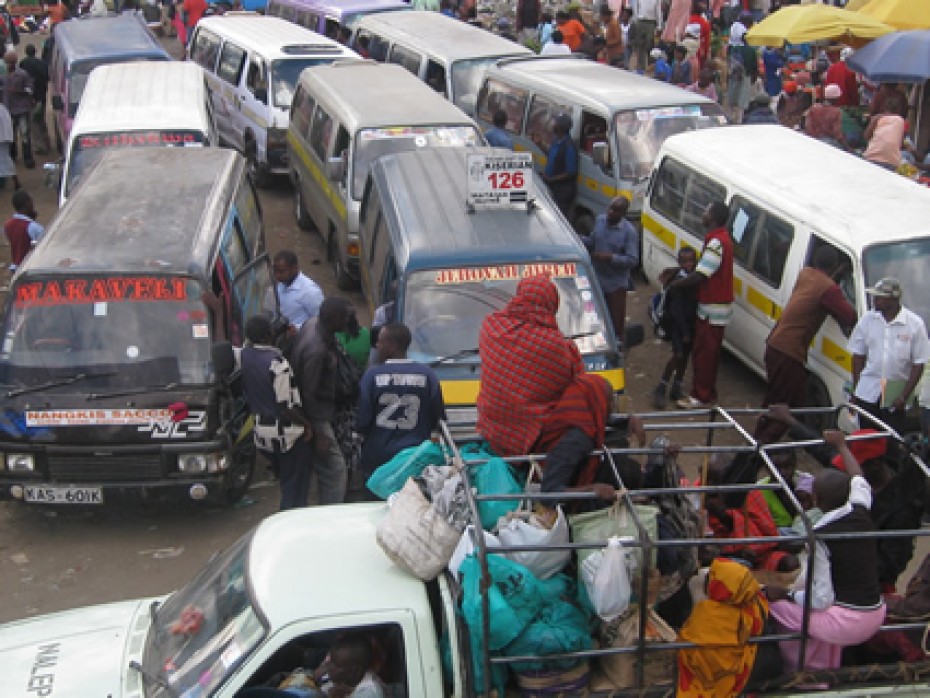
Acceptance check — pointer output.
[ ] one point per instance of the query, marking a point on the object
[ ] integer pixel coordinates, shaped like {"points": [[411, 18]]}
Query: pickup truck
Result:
{"points": [[274, 602]]}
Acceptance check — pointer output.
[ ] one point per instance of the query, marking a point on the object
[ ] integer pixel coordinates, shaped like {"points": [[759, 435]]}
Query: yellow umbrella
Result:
{"points": [[856, 5], [900, 14], [801, 24]]}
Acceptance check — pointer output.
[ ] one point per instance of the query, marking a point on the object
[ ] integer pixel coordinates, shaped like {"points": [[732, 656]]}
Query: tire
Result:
{"points": [[344, 280], [240, 473], [304, 222], [257, 171], [817, 395]]}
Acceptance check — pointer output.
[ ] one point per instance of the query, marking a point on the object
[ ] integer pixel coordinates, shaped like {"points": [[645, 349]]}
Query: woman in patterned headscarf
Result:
{"points": [[734, 611]]}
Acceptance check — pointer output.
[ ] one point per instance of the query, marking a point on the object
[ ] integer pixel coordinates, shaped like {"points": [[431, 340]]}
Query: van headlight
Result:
{"points": [[193, 463], [20, 462]]}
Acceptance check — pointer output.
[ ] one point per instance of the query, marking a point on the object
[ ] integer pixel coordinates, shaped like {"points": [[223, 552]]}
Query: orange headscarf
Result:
{"points": [[722, 624]]}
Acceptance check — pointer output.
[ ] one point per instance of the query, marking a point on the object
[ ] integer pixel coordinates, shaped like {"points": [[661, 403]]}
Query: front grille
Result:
{"points": [[89, 467]]}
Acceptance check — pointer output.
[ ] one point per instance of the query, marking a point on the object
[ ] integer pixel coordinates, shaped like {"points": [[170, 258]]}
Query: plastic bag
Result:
{"points": [[559, 627], [496, 477], [599, 526], [466, 547], [391, 477], [415, 535], [529, 530], [607, 580]]}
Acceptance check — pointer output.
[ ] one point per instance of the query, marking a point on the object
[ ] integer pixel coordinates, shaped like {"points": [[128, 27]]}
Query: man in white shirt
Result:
{"points": [[889, 347], [647, 20], [556, 46], [299, 297]]}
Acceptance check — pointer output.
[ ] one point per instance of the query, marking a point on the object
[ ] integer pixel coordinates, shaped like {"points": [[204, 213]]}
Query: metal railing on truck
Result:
{"points": [[865, 680]]}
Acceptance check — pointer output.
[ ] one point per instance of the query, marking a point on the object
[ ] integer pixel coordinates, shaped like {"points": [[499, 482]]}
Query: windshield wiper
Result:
{"points": [[132, 391], [77, 378], [472, 352], [148, 678]]}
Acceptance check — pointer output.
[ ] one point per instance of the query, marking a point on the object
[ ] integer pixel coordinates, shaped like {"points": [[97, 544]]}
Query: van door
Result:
{"points": [[596, 185], [229, 72], [537, 135], [204, 49], [321, 133], [763, 259]]}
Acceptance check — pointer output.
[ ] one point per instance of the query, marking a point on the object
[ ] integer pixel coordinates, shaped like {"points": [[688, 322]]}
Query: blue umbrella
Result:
{"points": [[896, 57]]}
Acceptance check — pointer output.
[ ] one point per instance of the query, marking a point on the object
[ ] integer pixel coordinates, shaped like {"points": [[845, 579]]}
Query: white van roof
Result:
{"points": [[435, 33], [273, 37], [592, 84], [369, 94], [142, 96], [859, 203]]}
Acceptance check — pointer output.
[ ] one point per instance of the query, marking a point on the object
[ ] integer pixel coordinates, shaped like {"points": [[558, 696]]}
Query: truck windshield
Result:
{"points": [[641, 132], [204, 631], [126, 331], [375, 142], [444, 309], [907, 261], [88, 148]]}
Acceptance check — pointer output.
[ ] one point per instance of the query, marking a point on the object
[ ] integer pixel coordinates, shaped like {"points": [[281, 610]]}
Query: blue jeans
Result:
{"points": [[293, 469]]}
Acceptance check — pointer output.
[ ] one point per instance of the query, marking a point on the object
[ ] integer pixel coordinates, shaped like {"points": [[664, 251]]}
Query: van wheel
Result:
{"points": [[344, 280], [584, 222], [257, 171], [239, 476], [300, 212], [817, 395]]}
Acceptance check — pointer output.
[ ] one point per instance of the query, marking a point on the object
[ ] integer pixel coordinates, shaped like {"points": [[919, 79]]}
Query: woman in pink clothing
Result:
{"points": [[885, 136]]}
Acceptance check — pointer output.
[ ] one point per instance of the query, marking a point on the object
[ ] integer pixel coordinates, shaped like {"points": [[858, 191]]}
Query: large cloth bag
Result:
{"points": [[415, 535], [615, 521]]}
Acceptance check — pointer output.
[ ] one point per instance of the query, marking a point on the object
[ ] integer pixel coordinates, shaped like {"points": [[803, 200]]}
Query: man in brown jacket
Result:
{"points": [[814, 297]]}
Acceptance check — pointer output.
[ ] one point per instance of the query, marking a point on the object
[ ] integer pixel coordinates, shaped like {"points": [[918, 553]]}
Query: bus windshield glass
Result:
{"points": [[88, 148], [641, 132], [444, 308], [119, 331], [375, 142]]}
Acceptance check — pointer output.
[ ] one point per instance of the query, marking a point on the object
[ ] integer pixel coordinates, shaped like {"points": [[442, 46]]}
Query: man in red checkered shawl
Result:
{"points": [[535, 395]]}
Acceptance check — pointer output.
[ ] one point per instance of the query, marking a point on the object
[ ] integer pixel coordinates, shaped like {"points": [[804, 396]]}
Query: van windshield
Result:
{"points": [[467, 77], [444, 309], [284, 75], [81, 71], [372, 143], [88, 148], [641, 132], [119, 331], [907, 261]]}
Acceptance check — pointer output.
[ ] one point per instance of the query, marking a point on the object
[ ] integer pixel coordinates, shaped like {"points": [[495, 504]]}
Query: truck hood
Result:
{"points": [[84, 652]]}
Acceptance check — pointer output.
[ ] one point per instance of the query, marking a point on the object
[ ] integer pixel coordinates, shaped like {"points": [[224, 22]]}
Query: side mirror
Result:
{"points": [[633, 335], [335, 169], [600, 153], [224, 359], [57, 104]]}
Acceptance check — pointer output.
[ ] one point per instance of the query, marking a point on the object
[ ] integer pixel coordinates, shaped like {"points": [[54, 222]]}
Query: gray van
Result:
{"points": [[445, 266], [344, 116], [106, 362]]}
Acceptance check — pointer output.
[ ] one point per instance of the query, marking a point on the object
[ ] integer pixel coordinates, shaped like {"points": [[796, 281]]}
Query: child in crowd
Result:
{"points": [[678, 324], [662, 70], [21, 230]]}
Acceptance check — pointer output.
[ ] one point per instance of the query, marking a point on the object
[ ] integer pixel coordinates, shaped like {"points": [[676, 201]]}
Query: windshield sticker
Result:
{"points": [[132, 352], [100, 309], [582, 282], [420, 141], [139, 138], [80, 291], [90, 418], [668, 112], [586, 296], [506, 272], [231, 655], [201, 332]]}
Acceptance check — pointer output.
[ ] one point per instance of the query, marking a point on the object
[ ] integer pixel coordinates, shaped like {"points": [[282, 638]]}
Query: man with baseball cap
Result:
{"points": [[889, 347]]}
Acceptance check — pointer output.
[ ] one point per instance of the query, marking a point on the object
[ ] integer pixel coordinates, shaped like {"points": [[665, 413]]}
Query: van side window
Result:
{"points": [[303, 19], [496, 95], [593, 130], [256, 80], [331, 28], [846, 281], [761, 241], [682, 195], [406, 58], [539, 122], [342, 142], [274, 9], [320, 132], [436, 77], [230, 66], [301, 111], [205, 49], [377, 45], [251, 217]]}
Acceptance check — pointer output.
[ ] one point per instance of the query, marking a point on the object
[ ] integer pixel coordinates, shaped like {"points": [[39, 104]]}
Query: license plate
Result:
{"points": [[46, 494]]}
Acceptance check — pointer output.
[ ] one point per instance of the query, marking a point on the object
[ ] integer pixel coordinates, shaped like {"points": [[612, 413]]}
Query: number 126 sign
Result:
{"points": [[499, 180]]}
